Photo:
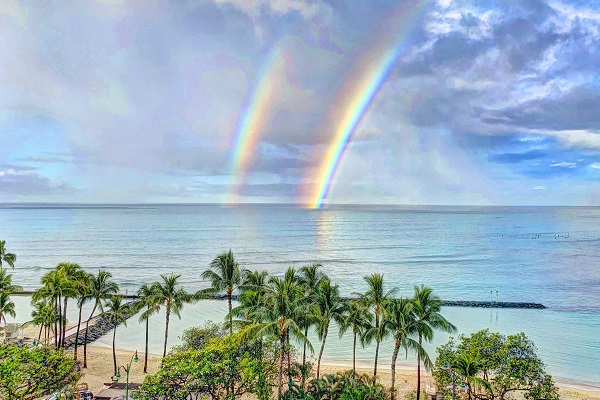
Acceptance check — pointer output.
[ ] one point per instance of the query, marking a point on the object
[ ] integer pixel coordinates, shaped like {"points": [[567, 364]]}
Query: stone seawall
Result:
{"points": [[98, 327], [492, 304]]}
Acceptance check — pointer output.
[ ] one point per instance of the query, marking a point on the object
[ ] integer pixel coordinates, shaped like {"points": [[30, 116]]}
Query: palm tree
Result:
{"points": [[82, 290], [70, 275], [376, 297], [116, 312], [172, 296], [52, 289], [7, 307], [251, 298], [6, 257], [467, 366], [6, 285], [358, 317], [309, 277], [225, 276], [427, 308], [43, 315], [101, 288], [329, 306], [283, 305], [399, 321], [147, 298]]}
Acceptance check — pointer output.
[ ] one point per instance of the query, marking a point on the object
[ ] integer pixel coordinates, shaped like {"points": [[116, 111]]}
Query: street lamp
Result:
{"points": [[447, 367], [127, 368], [463, 386]]}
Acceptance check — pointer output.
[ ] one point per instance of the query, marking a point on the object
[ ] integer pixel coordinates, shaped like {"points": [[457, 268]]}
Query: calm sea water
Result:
{"points": [[535, 254]]}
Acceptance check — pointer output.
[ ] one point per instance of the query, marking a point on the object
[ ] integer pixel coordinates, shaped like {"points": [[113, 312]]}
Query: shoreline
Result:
{"points": [[100, 365]]}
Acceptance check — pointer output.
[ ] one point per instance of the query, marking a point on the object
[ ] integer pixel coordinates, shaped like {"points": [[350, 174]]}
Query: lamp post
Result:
{"points": [[127, 368], [462, 386]]}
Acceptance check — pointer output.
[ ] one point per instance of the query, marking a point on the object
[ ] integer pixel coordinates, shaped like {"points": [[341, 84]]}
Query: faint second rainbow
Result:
{"points": [[358, 94], [254, 120]]}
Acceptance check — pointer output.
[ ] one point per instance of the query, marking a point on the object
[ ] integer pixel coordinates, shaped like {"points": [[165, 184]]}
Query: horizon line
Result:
{"points": [[298, 205]]}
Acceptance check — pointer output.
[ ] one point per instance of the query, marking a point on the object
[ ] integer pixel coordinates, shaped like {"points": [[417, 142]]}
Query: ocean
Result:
{"points": [[548, 255]]}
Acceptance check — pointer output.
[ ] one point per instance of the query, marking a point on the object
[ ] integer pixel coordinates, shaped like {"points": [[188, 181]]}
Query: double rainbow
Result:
{"points": [[352, 103]]}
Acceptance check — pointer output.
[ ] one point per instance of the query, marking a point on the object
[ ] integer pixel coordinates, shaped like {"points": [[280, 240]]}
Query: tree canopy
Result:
{"points": [[493, 366], [33, 372]]}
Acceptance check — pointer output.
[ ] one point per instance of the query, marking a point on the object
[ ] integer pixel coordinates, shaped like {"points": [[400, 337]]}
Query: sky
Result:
{"points": [[213, 101]]}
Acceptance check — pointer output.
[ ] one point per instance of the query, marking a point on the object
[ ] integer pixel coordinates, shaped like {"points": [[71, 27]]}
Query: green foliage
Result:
{"points": [[196, 338], [223, 368], [494, 366], [345, 386], [26, 372]]}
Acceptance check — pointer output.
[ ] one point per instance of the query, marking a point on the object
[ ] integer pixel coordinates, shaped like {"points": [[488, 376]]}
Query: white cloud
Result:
{"points": [[595, 165], [564, 164], [540, 188]]}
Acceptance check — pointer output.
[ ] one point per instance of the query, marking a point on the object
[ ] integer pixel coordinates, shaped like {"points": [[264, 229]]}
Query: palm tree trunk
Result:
{"points": [[230, 314], [394, 357], [376, 342], [166, 333], [40, 335], [87, 323], [64, 328], [146, 351], [304, 350], [289, 357], [77, 334], [114, 350], [60, 321], [281, 358], [354, 353], [322, 348], [419, 368]]}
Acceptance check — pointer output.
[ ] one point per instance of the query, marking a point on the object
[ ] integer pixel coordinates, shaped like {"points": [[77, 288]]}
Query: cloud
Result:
{"points": [[595, 165], [23, 182], [143, 100], [540, 188], [564, 164]]}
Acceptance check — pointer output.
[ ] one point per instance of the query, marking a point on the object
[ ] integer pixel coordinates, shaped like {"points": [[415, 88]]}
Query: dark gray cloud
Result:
{"points": [[23, 182], [576, 109]]}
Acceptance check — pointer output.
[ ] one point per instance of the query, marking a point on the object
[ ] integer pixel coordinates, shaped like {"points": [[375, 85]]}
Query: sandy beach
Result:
{"points": [[100, 371]]}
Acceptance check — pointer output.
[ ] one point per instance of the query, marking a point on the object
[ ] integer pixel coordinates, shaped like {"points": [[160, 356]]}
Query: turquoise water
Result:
{"points": [[537, 254]]}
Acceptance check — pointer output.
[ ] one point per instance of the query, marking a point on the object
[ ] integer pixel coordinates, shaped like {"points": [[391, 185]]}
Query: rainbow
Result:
{"points": [[358, 94], [253, 121]]}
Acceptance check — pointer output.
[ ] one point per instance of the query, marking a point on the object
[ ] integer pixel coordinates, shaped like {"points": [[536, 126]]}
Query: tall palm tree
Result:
{"points": [[399, 321], [101, 288], [147, 299], [172, 296], [283, 305], [310, 275], [117, 312], [251, 298], [329, 307], [52, 290], [7, 307], [6, 285], [5, 256], [427, 308], [82, 290], [358, 317], [376, 297], [71, 275], [225, 275]]}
